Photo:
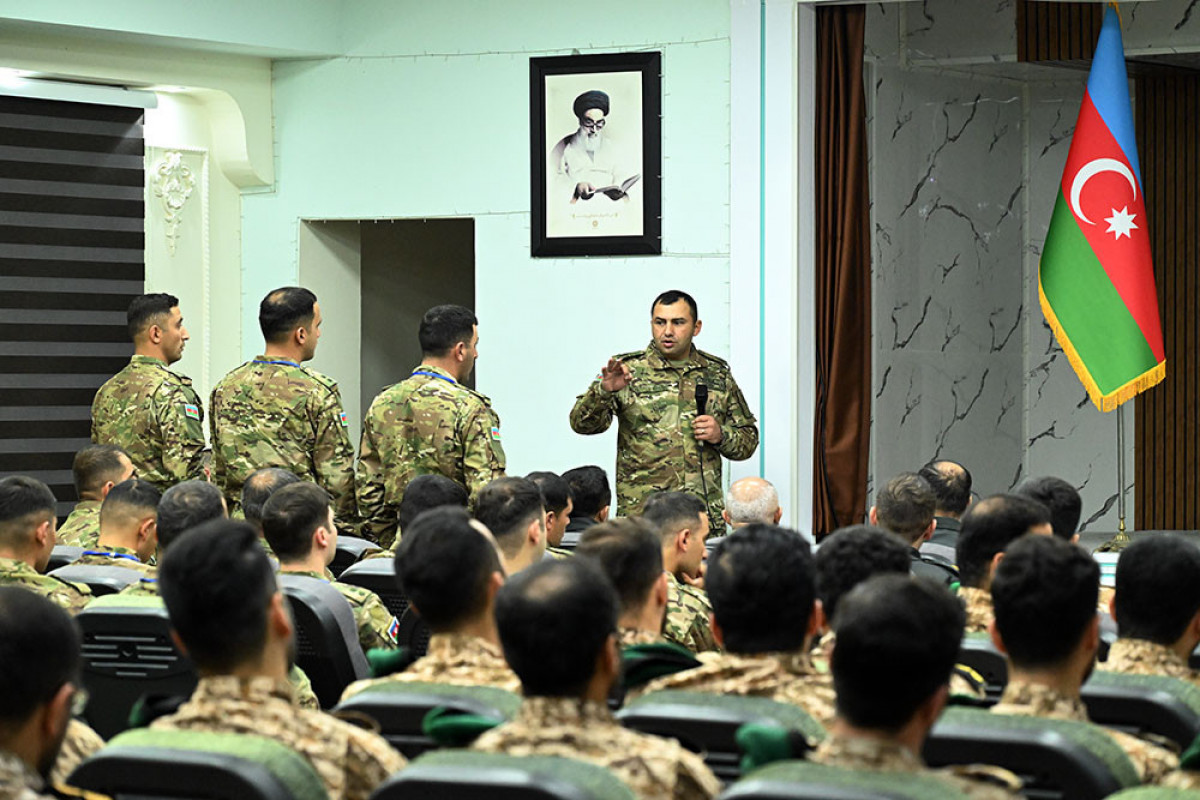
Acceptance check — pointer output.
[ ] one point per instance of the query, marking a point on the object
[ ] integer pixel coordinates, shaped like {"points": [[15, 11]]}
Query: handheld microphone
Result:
{"points": [[701, 399]]}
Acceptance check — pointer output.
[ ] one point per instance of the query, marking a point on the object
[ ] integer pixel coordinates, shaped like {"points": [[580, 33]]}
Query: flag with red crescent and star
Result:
{"points": [[1096, 276]]}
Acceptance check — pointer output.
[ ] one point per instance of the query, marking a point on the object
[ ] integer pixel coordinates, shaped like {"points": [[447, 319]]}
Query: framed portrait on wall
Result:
{"points": [[596, 154]]}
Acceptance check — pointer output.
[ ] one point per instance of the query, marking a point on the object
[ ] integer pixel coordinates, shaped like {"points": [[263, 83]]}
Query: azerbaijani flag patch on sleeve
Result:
{"points": [[495, 433], [191, 411], [394, 629], [342, 418]]}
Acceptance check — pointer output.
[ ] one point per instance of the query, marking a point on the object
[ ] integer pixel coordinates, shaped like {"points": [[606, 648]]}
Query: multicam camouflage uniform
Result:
{"points": [[156, 417], [687, 617], [428, 423], [655, 768], [276, 413], [376, 625], [113, 557], [79, 742], [82, 527], [453, 658], [656, 450], [350, 760], [18, 781], [64, 594], [978, 603], [1140, 657]]}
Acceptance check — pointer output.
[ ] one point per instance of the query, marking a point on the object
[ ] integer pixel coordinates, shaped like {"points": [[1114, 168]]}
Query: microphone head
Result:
{"points": [[701, 398]]}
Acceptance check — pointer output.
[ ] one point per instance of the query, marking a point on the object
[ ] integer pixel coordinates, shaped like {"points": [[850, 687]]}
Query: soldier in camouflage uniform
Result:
{"points": [[663, 444], [559, 506], [128, 528], [152, 413], [429, 423], [273, 412], [27, 520], [96, 469], [629, 553], [682, 526]]}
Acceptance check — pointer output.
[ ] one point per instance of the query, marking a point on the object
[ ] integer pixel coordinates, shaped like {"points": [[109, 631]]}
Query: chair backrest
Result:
{"points": [[1154, 793], [61, 555], [1145, 704], [378, 575], [172, 764], [349, 550], [1054, 758], [101, 579], [413, 633], [804, 780], [327, 647], [707, 723], [400, 708], [978, 653], [464, 775], [128, 654]]}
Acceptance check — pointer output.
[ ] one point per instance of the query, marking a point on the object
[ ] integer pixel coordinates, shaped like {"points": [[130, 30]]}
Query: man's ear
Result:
{"points": [[300, 335], [278, 618], [106, 488], [1091, 638], [609, 659], [778, 515], [725, 516], [459, 351], [683, 540], [699, 325], [147, 529], [996, 559], [154, 333], [535, 532], [321, 537], [57, 713], [1112, 610], [816, 620], [602, 516], [873, 516], [662, 592], [178, 642], [715, 627], [994, 632], [44, 533]]}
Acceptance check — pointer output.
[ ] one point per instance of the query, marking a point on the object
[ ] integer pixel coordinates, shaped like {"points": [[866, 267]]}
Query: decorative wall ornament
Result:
{"points": [[174, 183]]}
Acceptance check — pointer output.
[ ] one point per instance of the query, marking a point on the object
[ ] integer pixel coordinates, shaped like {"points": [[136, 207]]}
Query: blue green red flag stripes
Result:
{"points": [[1096, 277]]}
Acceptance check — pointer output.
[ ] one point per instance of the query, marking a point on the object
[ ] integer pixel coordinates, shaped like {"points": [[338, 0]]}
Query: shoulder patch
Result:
{"points": [[192, 411], [495, 433], [345, 420]]}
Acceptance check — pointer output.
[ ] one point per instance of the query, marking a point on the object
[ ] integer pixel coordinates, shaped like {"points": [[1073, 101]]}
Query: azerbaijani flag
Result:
{"points": [[1096, 278]]}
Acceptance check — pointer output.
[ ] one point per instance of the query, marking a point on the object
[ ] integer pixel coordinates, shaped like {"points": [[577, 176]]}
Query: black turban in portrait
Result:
{"points": [[593, 99]]}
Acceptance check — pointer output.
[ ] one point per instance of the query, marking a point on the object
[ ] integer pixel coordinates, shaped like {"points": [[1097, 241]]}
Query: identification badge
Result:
{"points": [[191, 411]]}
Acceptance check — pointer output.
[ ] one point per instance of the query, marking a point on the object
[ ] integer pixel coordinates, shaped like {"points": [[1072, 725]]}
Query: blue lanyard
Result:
{"points": [[283, 363], [111, 555], [434, 375]]}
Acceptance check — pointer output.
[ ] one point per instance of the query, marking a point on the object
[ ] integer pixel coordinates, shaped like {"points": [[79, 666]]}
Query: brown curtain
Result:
{"points": [[843, 285]]}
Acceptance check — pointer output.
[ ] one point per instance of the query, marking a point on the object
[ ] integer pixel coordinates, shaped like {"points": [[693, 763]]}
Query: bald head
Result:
{"points": [[752, 500], [951, 485]]}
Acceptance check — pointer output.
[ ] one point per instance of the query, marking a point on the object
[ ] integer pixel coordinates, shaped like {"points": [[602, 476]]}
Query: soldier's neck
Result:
{"points": [[150, 351], [314, 563], [447, 365], [1064, 680], [911, 736], [483, 627], [272, 663], [283, 352], [29, 557], [647, 618]]}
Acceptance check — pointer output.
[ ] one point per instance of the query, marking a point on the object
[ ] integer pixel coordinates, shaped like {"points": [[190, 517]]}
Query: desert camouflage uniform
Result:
{"points": [[275, 413], [82, 527], [79, 742], [376, 625], [687, 617], [18, 781], [156, 417], [350, 760], [1024, 699], [71, 596], [783, 677], [978, 603], [627, 637], [655, 768], [656, 450], [1140, 657], [114, 557], [976, 781], [453, 658], [428, 423]]}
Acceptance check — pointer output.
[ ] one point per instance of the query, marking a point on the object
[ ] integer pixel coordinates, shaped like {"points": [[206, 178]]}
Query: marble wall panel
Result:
{"points": [[956, 30]]}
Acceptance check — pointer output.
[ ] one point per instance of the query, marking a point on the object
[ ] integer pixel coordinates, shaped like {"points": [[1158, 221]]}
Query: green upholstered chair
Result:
{"points": [[978, 653], [1141, 704], [804, 780], [1154, 793], [327, 647]]}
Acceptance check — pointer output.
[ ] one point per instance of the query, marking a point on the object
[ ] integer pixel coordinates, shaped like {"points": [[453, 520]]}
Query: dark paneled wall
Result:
{"points": [[1057, 33]]}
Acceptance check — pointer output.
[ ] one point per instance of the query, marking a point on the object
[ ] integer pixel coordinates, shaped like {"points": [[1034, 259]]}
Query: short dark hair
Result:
{"points": [[128, 498], [672, 296], [628, 552], [555, 490], [259, 487], [760, 582], [1044, 594], [554, 618], [1060, 497], [282, 310], [217, 583], [589, 490], [96, 465], [39, 652], [1158, 588], [905, 506], [442, 327], [507, 506], [144, 308], [291, 515], [988, 528], [950, 482], [429, 491], [851, 555], [670, 512], [186, 505], [24, 503], [444, 565], [897, 642]]}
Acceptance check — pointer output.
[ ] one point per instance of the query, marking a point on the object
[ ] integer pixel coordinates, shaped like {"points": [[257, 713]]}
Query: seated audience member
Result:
{"points": [[425, 492], [765, 614], [905, 506], [258, 488], [751, 500], [629, 554], [448, 566], [182, 507], [897, 640], [557, 496], [591, 496], [128, 528], [97, 468], [228, 614], [988, 528], [511, 508], [298, 523], [1044, 592], [1157, 608], [1061, 498], [558, 626], [951, 486], [27, 520], [681, 520]]}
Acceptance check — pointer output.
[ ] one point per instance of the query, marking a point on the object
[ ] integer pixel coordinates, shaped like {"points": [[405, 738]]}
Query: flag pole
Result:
{"points": [[1121, 540]]}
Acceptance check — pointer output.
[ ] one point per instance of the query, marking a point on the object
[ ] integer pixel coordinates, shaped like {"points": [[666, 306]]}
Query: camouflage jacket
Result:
{"points": [[114, 557], [376, 625], [978, 603], [71, 596], [82, 527], [428, 423], [156, 417], [1140, 657], [655, 768], [18, 781], [656, 450], [627, 637], [350, 760], [274, 413], [687, 623], [455, 659]]}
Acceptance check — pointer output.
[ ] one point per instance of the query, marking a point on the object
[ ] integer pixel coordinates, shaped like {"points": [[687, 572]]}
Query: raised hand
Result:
{"points": [[615, 376]]}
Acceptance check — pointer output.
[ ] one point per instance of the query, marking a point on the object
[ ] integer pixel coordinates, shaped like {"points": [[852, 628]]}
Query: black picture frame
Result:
{"points": [[613, 223]]}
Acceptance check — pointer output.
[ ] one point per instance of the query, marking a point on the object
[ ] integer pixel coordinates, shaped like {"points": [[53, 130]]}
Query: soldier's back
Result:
{"points": [[69, 596]]}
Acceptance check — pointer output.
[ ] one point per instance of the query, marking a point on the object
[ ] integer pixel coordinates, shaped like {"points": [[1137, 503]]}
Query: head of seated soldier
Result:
{"points": [[905, 506], [760, 582], [129, 518], [429, 491], [1158, 593], [290, 321], [39, 678], [851, 555], [951, 486], [259, 487], [557, 494], [448, 566], [897, 642], [99, 467], [590, 493], [449, 339], [1061, 498], [156, 327], [558, 628], [298, 523], [186, 505], [27, 521], [681, 520], [511, 508], [751, 500], [989, 527], [629, 554]]}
